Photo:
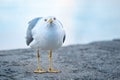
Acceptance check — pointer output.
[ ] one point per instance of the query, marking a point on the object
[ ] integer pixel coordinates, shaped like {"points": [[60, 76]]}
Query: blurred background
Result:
{"points": [[84, 20]]}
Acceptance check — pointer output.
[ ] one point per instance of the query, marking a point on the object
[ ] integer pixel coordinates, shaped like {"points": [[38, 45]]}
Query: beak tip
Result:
{"points": [[51, 21]]}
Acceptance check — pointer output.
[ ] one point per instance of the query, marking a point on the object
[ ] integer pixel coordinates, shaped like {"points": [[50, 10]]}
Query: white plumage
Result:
{"points": [[45, 33]]}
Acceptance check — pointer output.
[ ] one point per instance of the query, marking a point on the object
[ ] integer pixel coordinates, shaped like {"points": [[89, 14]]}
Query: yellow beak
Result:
{"points": [[50, 20]]}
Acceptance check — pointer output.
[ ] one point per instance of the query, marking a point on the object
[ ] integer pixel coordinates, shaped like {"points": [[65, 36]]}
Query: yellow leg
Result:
{"points": [[39, 69], [50, 69]]}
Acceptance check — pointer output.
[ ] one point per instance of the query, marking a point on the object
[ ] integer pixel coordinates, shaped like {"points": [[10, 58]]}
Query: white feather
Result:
{"points": [[47, 35]]}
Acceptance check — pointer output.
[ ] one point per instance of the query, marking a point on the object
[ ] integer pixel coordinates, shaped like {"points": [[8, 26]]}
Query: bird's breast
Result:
{"points": [[50, 38]]}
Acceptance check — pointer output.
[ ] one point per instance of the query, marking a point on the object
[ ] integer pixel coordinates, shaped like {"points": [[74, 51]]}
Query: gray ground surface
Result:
{"points": [[94, 61]]}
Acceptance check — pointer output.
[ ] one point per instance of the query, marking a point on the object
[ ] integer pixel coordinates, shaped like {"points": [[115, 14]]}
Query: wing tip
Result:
{"points": [[64, 38]]}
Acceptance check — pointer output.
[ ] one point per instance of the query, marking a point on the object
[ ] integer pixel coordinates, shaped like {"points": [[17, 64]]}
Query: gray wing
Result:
{"points": [[64, 32], [32, 24], [60, 23]]}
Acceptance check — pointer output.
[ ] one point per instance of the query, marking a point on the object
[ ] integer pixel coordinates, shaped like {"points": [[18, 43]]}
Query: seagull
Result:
{"points": [[45, 33]]}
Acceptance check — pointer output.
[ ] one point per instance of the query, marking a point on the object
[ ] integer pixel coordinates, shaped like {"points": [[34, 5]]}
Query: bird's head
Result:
{"points": [[50, 22]]}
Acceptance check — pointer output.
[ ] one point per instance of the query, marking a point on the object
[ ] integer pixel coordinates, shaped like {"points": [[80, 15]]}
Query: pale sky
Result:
{"points": [[84, 20]]}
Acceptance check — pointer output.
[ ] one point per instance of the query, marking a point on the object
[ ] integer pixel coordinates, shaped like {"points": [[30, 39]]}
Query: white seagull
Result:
{"points": [[45, 33]]}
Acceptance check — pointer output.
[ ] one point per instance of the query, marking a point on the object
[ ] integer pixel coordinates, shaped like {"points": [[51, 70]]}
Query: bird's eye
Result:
{"points": [[45, 19], [54, 18]]}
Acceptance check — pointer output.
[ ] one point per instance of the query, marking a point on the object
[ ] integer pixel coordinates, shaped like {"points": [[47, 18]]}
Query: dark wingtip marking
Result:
{"points": [[64, 38], [29, 41]]}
